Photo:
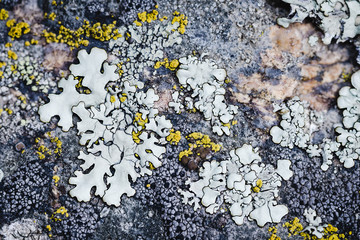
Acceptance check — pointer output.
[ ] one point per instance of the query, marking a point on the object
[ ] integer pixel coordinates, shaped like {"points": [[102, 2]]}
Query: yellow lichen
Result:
{"points": [[9, 111], [51, 16], [163, 18], [174, 137], [181, 19], [48, 227], [259, 183], [12, 55], [226, 125], [112, 99], [33, 41], [56, 179], [140, 121], [44, 151], [123, 98], [76, 38], [346, 76], [329, 233], [258, 186], [202, 140], [4, 14], [273, 231], [137, 23], [147, 16], [17, 29], [195, 135], [120, 71], [61, 210], [172, 65], [183, 153], [142, 16], [294, 226], [151, 166], [135, 136], [22, 99]]}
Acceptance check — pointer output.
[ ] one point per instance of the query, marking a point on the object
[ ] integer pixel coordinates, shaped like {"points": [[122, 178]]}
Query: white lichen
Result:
{"points": [[119, 127], [297, 127], [204, 81], [314, 228], [1, 175], [299, 123], [349, 133], [243, 183], [339, 19], [25, 228], [89, 69], [141, 47]]}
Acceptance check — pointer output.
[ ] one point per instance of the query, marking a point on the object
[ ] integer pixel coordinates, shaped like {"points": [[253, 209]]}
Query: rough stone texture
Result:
{"points": [[264, 63]]}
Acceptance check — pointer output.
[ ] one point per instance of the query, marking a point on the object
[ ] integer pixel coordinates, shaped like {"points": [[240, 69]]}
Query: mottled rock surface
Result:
{"points": [[264, 63]]}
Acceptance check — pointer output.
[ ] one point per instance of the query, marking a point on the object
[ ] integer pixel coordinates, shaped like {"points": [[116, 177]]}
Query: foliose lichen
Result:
{"points": [[202, 89], [338, 19], [243, 183]]}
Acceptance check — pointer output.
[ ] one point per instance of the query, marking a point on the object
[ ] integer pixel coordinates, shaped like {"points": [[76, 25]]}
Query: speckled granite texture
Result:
{"points": [[134, 138]]}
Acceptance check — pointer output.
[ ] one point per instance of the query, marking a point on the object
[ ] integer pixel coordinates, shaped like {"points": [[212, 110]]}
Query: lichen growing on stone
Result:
{"points": [[121, 134], [89, 69], [296, 128], [128, 148], [243, 183], [200, 149], [25, 228], [299, 123], [338, 19], [203, 81], [143, 45], [315, 229]]}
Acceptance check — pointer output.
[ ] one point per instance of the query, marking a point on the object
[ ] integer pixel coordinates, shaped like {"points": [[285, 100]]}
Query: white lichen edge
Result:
{"points": [[315, 228], [1, 175], [232, 182], [204, 81], [89, 68], [299, 123], [338, 19], [123, 138]]}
